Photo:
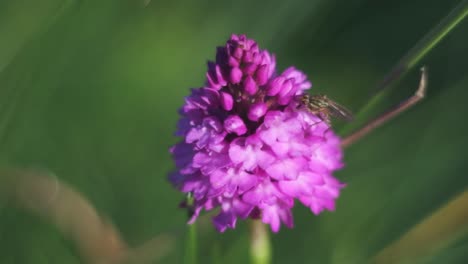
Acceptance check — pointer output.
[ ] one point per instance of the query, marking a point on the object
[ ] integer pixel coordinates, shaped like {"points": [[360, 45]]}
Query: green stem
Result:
{"points": [[260, 248], [191, 245], [411, 59], [429, 41]]}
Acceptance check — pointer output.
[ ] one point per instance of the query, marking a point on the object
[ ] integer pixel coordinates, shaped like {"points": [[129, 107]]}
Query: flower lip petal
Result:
{"points": [[235, 124], [257, 111]]}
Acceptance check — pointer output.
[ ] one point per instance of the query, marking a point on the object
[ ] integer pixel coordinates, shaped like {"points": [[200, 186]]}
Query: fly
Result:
{"points": [[324, 107]]}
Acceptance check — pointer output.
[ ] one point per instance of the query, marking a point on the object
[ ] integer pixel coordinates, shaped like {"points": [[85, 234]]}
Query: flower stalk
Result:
{"points": [[191, 241], [191, 245], [260, 247]]}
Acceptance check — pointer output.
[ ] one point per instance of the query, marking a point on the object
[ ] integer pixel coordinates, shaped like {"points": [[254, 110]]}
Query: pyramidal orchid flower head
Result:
{"points": [[248, 149]]}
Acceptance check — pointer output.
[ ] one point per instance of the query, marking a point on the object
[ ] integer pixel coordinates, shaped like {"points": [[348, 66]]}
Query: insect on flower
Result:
{"points": [[324, 107]]}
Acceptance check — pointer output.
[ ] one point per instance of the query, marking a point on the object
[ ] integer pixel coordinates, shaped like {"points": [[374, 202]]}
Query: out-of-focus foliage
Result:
{"points": [[90, 91]]}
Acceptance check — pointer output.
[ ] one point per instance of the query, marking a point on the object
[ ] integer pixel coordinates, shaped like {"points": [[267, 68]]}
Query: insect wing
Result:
{"points": [[339, 111]]}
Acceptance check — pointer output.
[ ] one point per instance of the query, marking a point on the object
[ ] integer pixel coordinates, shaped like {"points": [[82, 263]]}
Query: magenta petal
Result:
{"points": [[248, 56], [264, 192], [272, 61], [281, 149], [254, 197], [257, 58], [326, 193], [238, 52], [302, 186], [265, 159], [329, 205], [249, 68], [250, 86], [275, 86], [244, 181], [276, 214], [236, 150], [235, 75], [233, 62], [285, 96], [316, 208], [212, 82], [234, 124], [300, 79], [270, 216], [219, 76], [286, 88], [248, 155], [193, 135], [226, 101], [286, 169], [219, 178], [312, 178], [261, 76], [257, 111], [214, 76], [241, 209], [207, 164], [287, 217], [317, 205], [224, 220]]}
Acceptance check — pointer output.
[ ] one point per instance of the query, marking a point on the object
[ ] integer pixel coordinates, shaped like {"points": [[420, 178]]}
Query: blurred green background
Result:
{"points": [[90, 90]]}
